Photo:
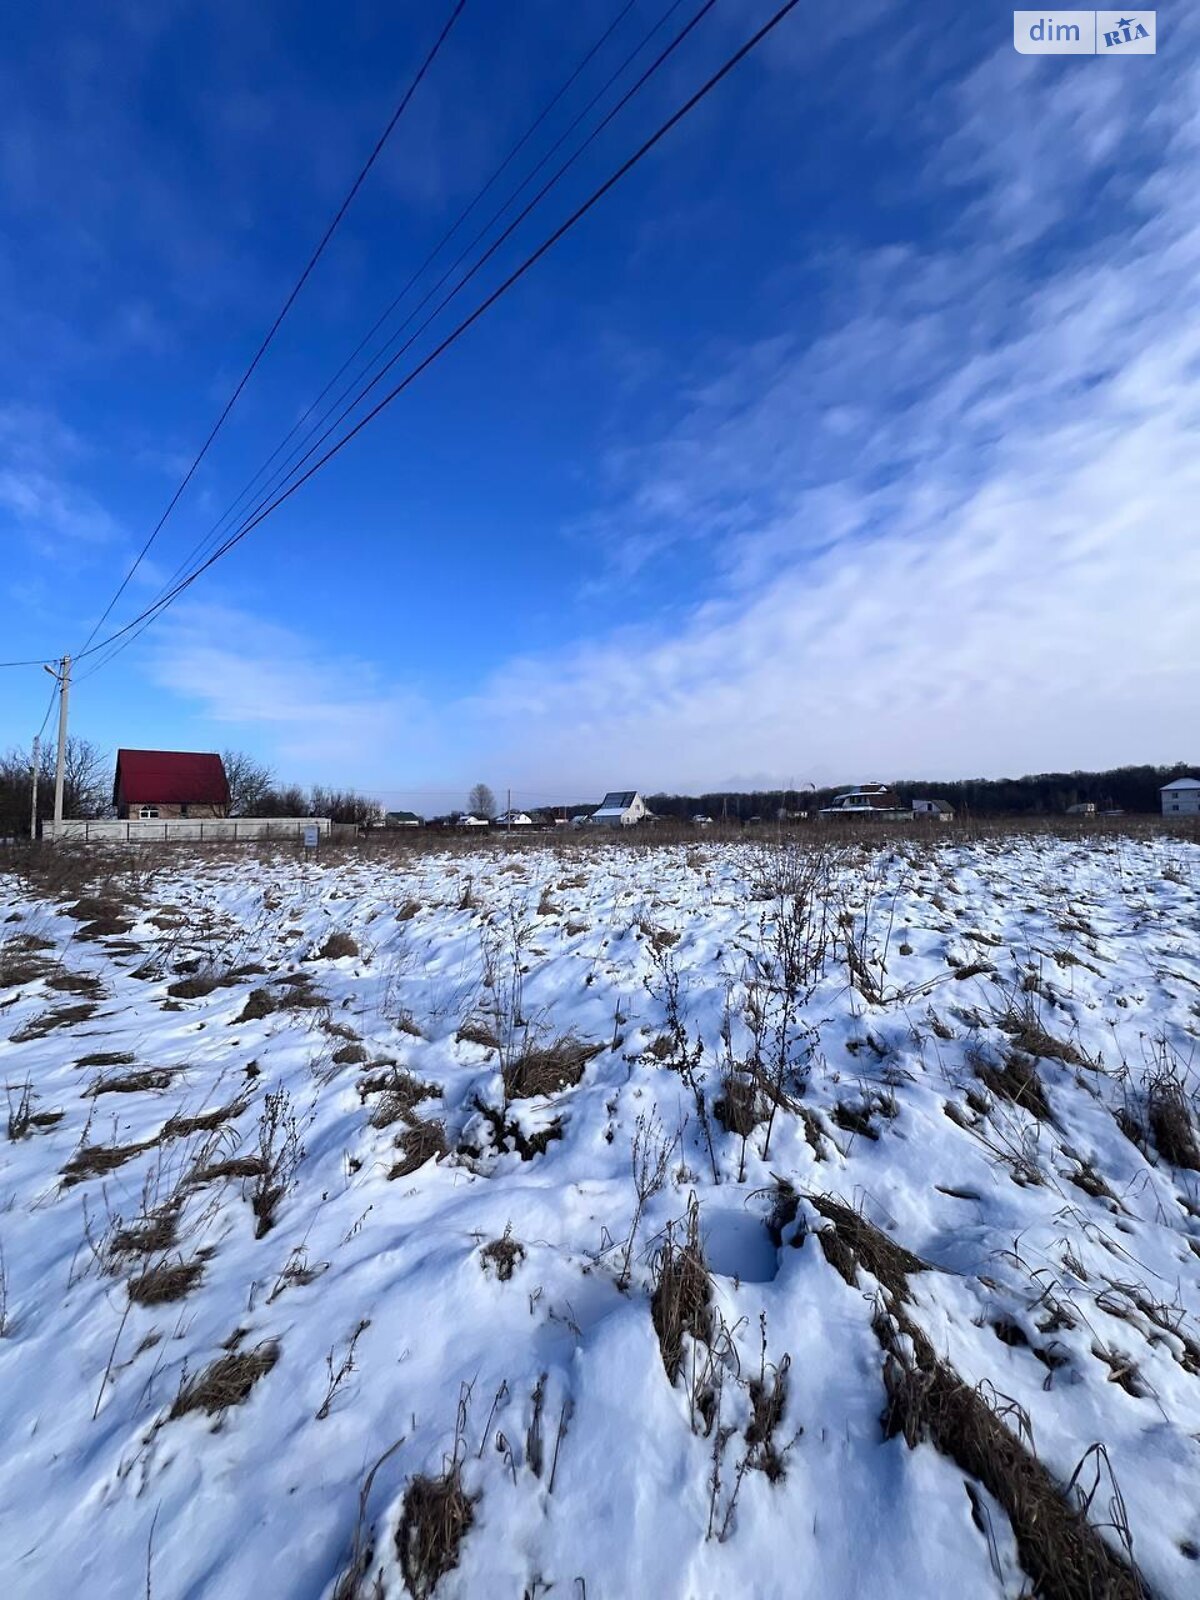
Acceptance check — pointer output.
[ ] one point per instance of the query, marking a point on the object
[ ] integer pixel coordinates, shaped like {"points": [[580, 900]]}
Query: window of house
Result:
{"points": [[148, 813], [183, 811]]}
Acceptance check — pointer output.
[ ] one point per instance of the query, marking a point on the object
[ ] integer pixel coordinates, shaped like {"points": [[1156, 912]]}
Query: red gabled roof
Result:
{"points": [[169, 777]]}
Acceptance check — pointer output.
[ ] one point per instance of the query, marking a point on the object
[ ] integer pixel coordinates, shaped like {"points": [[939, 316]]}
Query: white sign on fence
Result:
{"points": [[311, 835]]}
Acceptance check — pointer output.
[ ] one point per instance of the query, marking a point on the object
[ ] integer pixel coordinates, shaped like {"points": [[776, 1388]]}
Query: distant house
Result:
{"points": [[1181, 798], [169, 783], [701, 821], [514, 819], [935, 810], [401, 819], [620, 808], [874, 800], [1082, 808], [472, 822]]}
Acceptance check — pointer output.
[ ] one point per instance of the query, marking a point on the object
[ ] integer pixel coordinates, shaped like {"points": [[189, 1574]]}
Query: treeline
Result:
{"points": [[1132, 789], [254, 791], [87, 785]]}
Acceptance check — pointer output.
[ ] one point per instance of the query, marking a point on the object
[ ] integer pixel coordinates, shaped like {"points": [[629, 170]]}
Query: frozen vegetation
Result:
{"points": [[604, 1220]]}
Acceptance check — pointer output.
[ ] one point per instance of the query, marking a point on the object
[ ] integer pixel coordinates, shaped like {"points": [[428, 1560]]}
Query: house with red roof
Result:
{"points": [[170, 783]]}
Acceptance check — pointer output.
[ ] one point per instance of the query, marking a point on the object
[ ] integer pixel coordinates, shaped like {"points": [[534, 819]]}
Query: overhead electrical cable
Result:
{"points": [[514, 277], [286, 307], [281, 474]]}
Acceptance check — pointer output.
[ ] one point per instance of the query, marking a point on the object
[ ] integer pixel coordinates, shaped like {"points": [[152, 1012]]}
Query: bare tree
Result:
{"points": [[87, 785], [250, 781], [481, 802], [345, 805]]}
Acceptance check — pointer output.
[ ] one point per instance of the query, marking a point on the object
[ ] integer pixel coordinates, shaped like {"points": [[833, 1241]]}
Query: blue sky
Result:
{"points": [[854, 435]]}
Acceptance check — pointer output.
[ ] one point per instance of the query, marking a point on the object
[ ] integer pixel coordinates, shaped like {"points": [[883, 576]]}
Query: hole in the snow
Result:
{"points": [[737, 1245]]}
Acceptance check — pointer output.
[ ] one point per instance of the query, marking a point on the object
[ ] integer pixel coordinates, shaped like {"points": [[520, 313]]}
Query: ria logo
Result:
{"points": [[1084, 33], [1127, 30]]}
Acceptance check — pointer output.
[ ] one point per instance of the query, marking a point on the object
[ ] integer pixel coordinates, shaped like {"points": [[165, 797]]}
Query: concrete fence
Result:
{"points": [[182, 830]]}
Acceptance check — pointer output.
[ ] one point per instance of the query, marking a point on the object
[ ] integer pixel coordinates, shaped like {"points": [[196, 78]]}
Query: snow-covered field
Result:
{"points": [[603, 1222]]}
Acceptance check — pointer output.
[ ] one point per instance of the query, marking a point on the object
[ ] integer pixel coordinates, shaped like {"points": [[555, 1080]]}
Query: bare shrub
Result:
{"points": [[338, 946], [650, 1159], [341, 1371], [225, 1382], [280, 1152], [434, 1520]]}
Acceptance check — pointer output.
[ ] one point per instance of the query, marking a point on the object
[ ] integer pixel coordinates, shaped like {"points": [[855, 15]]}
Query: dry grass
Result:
{"points": [[194, 987], [167, 1281], [1171, 1123], [853, 1242], [179, 1127], [259, 1003], [133, 1082], [80, 983], [225, 1382], [503, 1256], [94, 1160], [509, 1135], [150, 1235], [399, 1093], [476, 1031], [547, 1069], [107, 1058], [1025, 1028], [423, 1140], [231, 1167], [338, 946], [1017, 1080], [682, 1299], [435, 1517], [47, 1021], [738, 1109], [1064, 1556]]}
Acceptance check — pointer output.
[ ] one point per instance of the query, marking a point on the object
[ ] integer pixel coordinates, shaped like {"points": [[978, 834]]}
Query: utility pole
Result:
{"points": [[508, 814], [64, 689], [37, 761]]}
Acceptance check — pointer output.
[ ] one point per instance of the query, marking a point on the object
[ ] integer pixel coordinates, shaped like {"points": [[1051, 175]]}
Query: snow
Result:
{"points": [[1079, 1306]]}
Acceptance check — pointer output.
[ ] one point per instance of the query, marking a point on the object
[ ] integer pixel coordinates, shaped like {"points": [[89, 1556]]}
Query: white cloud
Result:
{"points": [[321, 717], [955, 534]]}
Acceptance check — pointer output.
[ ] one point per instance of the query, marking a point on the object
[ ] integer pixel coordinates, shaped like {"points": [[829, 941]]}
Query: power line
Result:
{"points": [[280, 475], [287, 305], [266, 505], [456, 333]]}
